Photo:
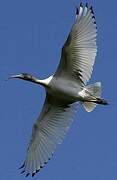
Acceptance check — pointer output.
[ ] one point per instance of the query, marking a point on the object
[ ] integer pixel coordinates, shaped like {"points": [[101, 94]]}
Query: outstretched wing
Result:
{"points": [[79, 51], [49, 130]]}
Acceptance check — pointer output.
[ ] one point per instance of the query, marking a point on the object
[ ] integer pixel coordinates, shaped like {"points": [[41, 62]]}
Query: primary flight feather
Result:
{"points": [[64, 90]]}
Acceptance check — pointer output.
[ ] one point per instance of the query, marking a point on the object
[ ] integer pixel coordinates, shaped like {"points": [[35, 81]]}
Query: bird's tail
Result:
{"points": [[94, 93]]}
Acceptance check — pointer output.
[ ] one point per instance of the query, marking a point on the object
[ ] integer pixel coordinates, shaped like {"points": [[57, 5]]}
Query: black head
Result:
{"points": [[23, 76]]}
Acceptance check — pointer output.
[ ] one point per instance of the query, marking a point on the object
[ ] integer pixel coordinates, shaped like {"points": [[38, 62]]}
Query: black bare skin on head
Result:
{"points": [[26, 76]]}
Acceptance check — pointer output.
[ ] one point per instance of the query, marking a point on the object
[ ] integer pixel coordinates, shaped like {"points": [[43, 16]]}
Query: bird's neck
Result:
{"points": [[43, 82]]}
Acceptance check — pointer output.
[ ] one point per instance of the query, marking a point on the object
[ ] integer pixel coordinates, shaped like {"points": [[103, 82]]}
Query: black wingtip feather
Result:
{"points": [[77, 11], [37, 170], [22, 166], [87, 5], [81, 4], [27, 174], [22, 172], [33, 174], [91, 8]]}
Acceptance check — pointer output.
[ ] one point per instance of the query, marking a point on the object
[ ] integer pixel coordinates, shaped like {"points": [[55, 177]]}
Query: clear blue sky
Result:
{"points": [[31, 36]]}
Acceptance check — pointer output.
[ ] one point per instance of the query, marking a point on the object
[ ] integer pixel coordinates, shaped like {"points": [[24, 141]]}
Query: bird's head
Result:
{"points": [[23, 76]]}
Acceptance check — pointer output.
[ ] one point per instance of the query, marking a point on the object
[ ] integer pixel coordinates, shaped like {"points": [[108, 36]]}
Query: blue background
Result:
{"points": [[32, 34]]}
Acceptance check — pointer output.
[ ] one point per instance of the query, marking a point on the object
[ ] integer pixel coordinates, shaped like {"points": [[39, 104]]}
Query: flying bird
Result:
{"points": [[65, 90]]}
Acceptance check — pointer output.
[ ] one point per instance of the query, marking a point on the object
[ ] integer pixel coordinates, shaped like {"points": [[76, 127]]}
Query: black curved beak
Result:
{"points": [[19, 76], [24, 76]]}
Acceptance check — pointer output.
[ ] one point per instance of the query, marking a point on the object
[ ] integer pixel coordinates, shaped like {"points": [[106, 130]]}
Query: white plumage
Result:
{"points": [[64, 90], [80, 48]]}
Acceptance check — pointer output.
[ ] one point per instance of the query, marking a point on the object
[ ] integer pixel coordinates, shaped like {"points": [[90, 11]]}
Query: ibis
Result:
{"points": [[66, 89]]}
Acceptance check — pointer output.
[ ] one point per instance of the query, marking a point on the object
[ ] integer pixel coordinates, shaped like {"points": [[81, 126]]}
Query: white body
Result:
{"points": [[64, 90]]}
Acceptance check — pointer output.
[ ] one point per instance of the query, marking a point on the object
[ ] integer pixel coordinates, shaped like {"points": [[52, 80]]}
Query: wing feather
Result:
{"points": [[79, 51], [48, 131]]}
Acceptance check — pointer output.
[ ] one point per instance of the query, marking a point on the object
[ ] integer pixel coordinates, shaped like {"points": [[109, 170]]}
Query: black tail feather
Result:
{"points": [[101, 101]]}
